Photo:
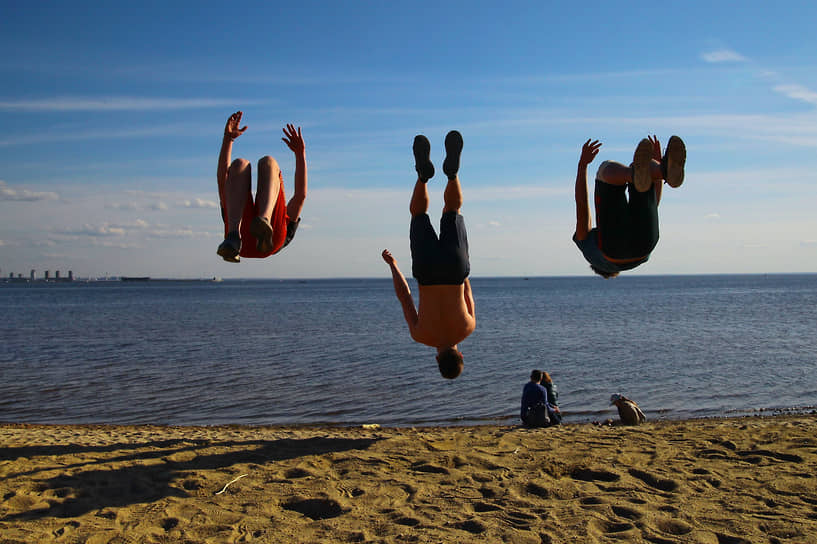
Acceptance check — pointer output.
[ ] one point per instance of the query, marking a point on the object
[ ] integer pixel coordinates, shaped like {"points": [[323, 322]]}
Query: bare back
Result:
{"points": [[445, 315]]}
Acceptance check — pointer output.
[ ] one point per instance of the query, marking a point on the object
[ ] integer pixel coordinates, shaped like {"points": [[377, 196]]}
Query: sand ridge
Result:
{"points": [[719, 481]]}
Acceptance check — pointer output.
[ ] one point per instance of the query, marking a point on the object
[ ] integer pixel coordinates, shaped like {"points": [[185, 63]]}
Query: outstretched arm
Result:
{"points": [[295, 142], [231, 132], [583, 224], [401, 289]]}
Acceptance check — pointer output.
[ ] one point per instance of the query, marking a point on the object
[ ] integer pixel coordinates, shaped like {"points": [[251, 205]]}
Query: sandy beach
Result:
{"points": [[719, 481]]}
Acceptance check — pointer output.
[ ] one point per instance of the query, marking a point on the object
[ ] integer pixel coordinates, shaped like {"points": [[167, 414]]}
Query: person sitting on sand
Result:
{"points": [[260, 228], [536, 411], [553, 397], [445, 315], [628, 410], [626, 224]]}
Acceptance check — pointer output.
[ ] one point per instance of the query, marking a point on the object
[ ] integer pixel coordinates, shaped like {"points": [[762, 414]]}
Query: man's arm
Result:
{"points": [[295, 142], [469, 298], [583, 224], [231, 132], [401, 289]]}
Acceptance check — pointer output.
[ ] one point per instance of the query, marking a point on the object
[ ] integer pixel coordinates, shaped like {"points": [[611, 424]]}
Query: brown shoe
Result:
{"points": [[642, 161], [675, 157], [262, 231]]}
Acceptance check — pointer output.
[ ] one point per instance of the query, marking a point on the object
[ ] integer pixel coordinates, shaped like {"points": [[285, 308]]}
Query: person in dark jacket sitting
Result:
{"points": [[535, 410]]}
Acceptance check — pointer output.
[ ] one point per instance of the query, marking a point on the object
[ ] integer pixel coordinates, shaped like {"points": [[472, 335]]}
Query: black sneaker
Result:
{"points": [[230, 248], [422, 158], [453, 148], [642, 162], [672, 165]]}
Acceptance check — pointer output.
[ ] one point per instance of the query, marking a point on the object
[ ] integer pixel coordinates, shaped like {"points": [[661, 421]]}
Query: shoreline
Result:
{"points": [[711, 480]]}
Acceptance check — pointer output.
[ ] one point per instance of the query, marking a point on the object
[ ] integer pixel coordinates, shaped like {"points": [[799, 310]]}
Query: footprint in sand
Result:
{"points": [[627, 513], [471, 525], [315, 508], [653, 481], [591, 475]]}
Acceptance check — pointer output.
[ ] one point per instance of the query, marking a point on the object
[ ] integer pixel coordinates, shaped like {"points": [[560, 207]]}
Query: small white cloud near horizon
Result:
{"points": [[494, 224], [199, 203], [723, 55], [713, 216], [24, 195], [797, 92]]}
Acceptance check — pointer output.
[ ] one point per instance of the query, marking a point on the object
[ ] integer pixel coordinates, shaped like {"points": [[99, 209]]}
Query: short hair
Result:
{"points": [[603, 273], [450, 363], [546, 377], [536, 376]]}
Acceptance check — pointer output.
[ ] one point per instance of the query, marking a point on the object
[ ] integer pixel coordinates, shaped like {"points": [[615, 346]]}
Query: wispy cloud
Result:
{"points": [[199, 203], [24, 195], [116, 103], [797, 92], [723, 55]]}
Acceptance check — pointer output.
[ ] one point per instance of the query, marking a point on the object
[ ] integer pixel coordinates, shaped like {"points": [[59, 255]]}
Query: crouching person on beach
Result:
{"points": [[628, 410], [536, 410], [445, 315], [260, 228]]}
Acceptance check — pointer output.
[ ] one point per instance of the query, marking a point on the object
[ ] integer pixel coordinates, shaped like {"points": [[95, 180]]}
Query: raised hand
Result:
{"points": [[387, 257], [293, 139], [656, 147], [231, 129], [589, 151]]}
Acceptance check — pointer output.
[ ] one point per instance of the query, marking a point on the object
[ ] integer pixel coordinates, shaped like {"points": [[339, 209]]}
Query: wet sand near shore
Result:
{"points": [[718, 481]]}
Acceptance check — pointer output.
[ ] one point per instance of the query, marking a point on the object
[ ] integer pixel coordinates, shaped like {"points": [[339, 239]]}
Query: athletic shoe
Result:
{"points": [[230, 248], [642, 161], [422, 158], [453, 148], [262, 231], [672, 165]]}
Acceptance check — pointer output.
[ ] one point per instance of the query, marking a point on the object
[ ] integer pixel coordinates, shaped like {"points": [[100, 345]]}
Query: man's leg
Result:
{"points": [[269, 188], [451, 166], [269, 185], [239, 177], [419, 198], [615, 173]]}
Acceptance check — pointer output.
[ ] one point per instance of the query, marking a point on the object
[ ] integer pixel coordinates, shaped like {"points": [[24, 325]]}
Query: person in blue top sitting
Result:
{"points": [[536, 410], [626, 199]]}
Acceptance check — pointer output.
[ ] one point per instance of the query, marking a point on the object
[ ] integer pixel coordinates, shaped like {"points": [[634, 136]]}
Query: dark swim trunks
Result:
{"points": [[443, 260], [627, 229]]}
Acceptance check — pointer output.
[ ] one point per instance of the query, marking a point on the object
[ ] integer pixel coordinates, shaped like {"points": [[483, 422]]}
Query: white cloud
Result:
{"points": [[200, 203], [94, 230], [114, 103], [723, 55], [797, 92], [713, 216], [494, 224], [24, 195], [158, 206]]}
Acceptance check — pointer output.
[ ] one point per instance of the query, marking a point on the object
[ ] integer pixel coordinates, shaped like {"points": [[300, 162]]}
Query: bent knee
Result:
{"points": [[239, 165], [268, 162]]}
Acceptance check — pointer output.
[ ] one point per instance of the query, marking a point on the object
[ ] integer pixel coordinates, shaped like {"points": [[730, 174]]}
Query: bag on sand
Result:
{"points": [[537, 416]]}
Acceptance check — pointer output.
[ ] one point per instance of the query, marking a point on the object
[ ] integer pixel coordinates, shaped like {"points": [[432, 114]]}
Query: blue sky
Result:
{"points": [[112, 115]]}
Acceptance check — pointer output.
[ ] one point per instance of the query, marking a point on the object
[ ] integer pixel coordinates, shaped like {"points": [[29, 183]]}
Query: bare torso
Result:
{"points": [[443, 316]]}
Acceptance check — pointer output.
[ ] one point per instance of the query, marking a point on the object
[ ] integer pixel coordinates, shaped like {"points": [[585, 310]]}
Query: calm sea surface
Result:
{"points": [[338, 351]]}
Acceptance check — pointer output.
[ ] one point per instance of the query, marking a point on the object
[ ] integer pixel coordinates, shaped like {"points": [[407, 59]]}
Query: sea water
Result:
{"points": [[339, 352]]}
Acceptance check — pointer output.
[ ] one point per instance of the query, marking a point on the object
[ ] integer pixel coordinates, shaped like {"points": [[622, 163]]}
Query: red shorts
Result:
{"points": [[278, 222]]}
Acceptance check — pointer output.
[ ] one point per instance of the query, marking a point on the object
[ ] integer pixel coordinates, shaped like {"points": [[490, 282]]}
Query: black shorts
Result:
{"points": [[626, 229], [443, 260]]}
